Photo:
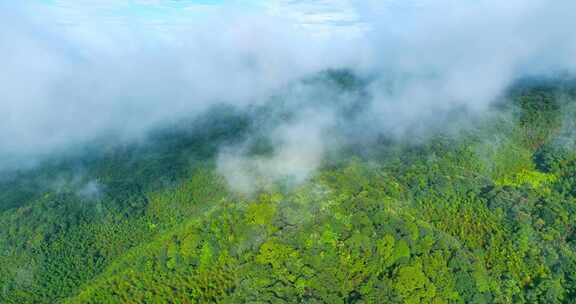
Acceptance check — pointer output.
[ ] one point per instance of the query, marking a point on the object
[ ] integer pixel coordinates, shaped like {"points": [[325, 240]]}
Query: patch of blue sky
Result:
{"points": [[323, 16]]}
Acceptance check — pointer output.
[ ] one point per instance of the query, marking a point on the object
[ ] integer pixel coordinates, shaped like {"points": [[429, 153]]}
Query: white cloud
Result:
{"points": [[80, 69]]}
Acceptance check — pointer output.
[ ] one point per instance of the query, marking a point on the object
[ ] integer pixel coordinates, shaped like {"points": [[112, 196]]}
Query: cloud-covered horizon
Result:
{"points": [[76, 70], [61, 87]]}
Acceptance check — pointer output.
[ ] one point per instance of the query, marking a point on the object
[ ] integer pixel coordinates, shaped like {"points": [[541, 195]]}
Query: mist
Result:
{"points": [[61, 89], [119, 77]]}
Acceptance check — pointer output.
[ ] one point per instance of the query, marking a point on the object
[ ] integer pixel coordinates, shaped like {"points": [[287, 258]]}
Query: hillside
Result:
{"points": [[482, 213]]}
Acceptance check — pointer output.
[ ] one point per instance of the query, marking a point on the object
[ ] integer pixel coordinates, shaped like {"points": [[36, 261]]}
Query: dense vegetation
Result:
{"points": [[487, 215]]}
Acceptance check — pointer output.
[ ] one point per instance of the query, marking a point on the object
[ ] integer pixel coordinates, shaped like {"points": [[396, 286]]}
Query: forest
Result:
{"points": [[478, 212]]}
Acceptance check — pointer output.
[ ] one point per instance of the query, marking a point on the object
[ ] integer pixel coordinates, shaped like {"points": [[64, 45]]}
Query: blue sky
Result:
{"points": [[319, 15]]}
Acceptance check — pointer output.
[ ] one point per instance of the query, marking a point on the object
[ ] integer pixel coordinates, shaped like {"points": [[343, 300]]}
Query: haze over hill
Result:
{"points": [[73, 72]]}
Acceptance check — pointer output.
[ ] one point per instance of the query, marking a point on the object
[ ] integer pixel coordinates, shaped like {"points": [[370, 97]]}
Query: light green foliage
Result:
{"points": [[533, 178], [412, 284]]}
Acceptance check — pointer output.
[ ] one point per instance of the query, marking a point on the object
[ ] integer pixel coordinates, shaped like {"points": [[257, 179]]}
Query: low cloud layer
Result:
{"points": [[60, 88], [433, 56], [119, 75]]}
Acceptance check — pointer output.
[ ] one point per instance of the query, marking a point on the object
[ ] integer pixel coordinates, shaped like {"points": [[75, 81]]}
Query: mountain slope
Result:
{"points": [[483, 215]]}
